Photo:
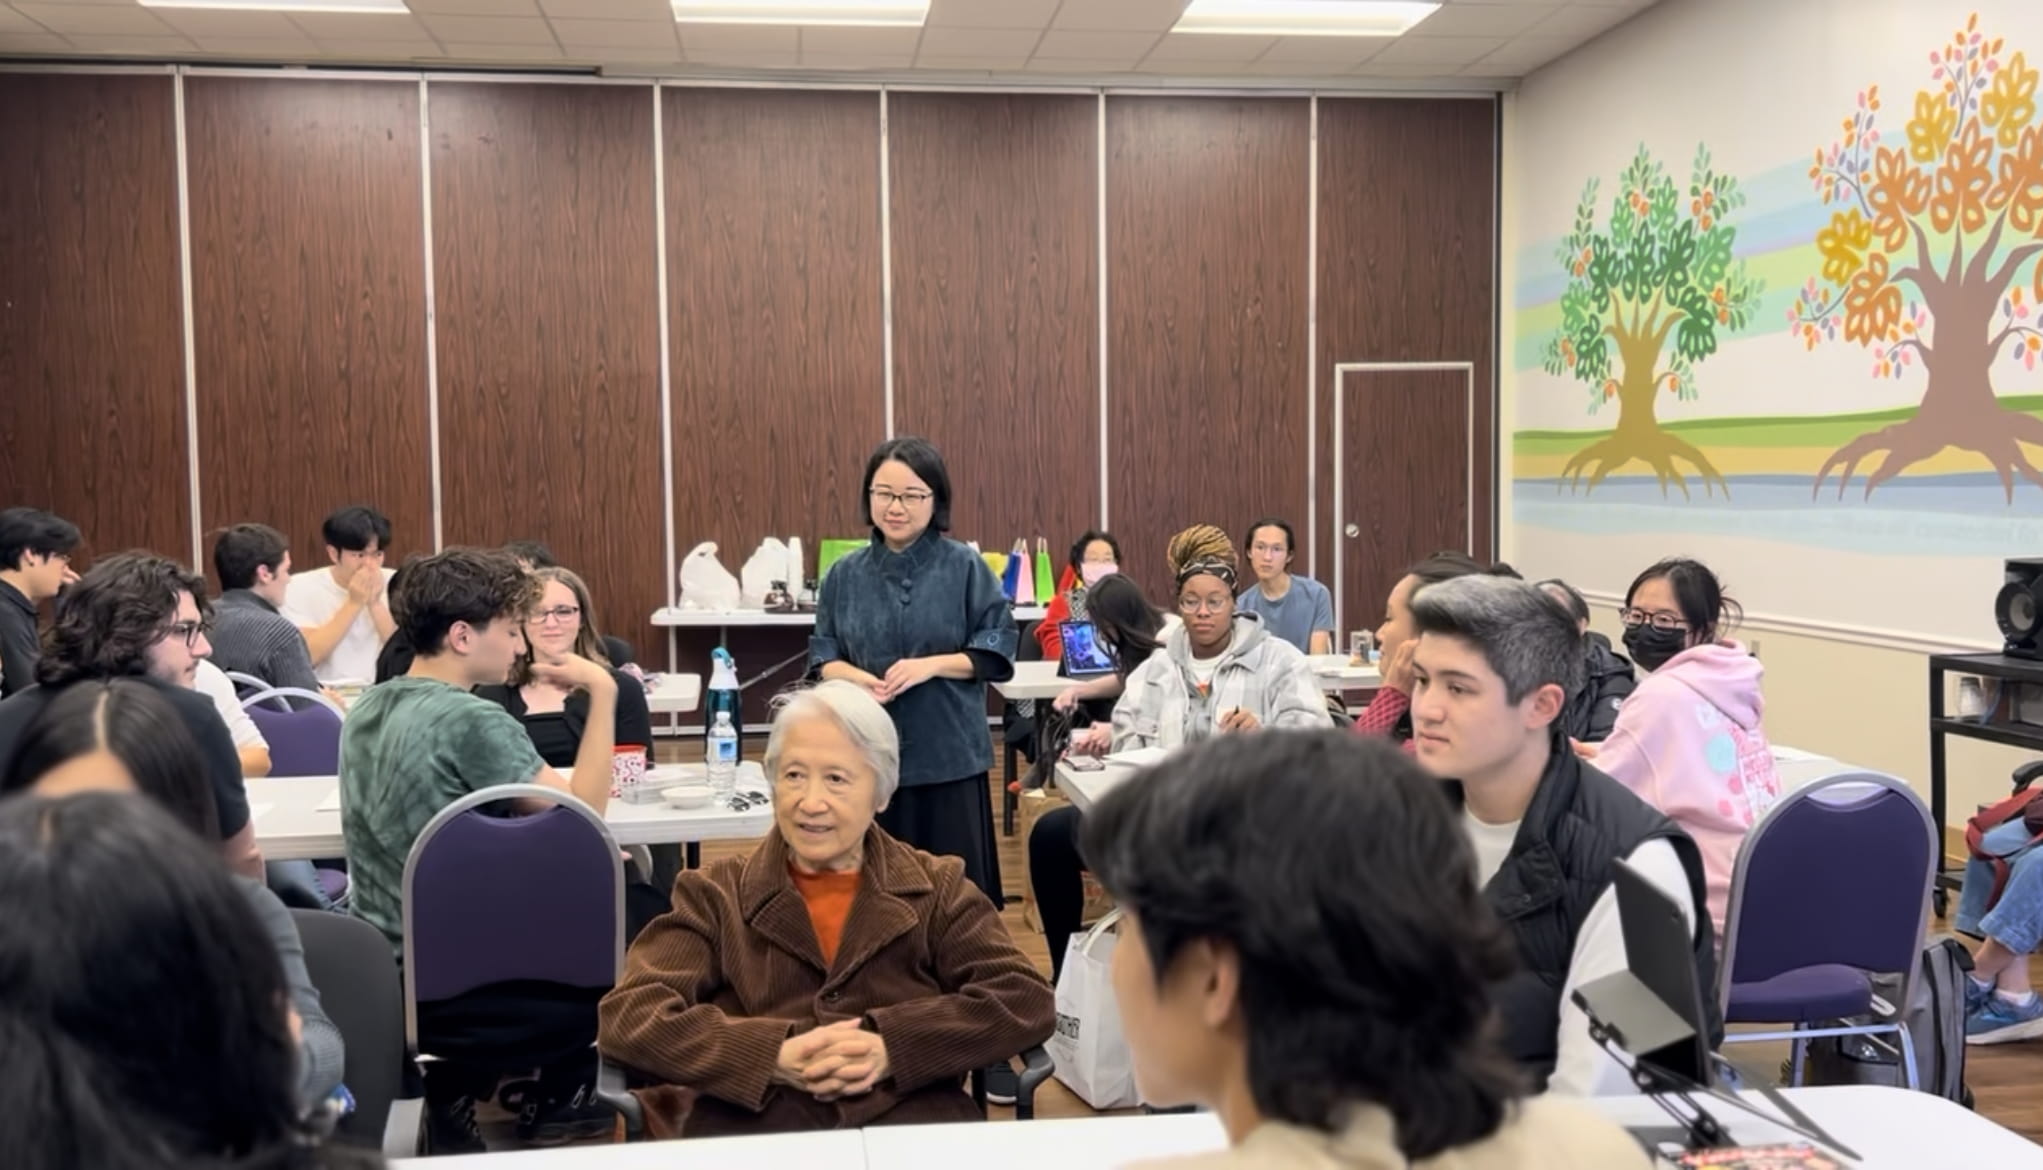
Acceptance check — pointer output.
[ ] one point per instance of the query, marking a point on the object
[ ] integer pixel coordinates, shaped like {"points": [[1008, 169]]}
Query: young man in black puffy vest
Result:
{"points": [[1495, 662]]}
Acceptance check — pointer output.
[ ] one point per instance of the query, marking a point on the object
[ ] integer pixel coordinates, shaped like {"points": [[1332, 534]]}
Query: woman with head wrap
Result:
{"points": [[1221, 670]]}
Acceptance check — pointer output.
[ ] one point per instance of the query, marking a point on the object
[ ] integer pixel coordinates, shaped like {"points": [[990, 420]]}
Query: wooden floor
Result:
{"points": [[2006, 1079]]}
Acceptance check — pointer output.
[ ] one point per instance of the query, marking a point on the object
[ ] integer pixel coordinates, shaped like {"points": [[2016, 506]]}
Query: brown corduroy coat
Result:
{"points": [[713, 987]]}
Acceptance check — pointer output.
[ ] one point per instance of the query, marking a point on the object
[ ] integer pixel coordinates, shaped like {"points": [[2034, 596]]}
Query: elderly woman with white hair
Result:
{"points": [[835, 977]]}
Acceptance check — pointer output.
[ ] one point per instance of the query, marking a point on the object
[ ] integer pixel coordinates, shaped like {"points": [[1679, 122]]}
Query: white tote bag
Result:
{"points": [[1088, 1047]]}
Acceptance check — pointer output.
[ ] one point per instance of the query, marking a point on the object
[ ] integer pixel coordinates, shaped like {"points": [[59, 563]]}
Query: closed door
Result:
{"points": [[1407, 490]]}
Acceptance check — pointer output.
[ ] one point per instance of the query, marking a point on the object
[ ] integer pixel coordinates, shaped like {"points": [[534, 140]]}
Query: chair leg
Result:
{"points": [[1908, 1058], [1800, 1056], [1009, 801]]}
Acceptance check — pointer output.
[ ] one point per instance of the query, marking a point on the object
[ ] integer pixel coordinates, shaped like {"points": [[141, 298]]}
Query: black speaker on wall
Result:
{"points": [[2018, 609]]}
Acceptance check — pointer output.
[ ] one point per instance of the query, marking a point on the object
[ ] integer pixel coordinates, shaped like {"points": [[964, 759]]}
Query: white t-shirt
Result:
{"points": [[311, 601], [213, 683], [1581, 1069]]}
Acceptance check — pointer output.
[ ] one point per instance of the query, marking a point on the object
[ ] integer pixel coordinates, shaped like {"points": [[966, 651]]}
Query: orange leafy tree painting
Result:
{"points": [[1923, 256]]}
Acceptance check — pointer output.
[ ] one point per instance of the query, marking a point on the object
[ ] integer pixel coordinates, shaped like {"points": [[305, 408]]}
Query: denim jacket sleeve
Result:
{"points": [[823, 647]]}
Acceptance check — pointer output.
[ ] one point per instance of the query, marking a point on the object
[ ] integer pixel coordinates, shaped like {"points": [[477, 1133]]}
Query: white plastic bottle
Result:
{"points": [[723, 757]]}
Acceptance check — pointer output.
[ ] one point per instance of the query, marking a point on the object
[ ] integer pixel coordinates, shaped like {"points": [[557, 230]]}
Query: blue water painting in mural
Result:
{"points": [[1944, 515]]}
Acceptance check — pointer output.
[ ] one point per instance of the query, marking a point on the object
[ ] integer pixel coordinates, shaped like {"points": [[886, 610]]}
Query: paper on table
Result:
{"points": [[332, 803], [259, 810], [1138, 757]]}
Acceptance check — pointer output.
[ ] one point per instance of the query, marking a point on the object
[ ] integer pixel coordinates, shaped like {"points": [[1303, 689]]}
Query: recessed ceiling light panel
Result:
{"points": [[876, 13], [1303, 18]]}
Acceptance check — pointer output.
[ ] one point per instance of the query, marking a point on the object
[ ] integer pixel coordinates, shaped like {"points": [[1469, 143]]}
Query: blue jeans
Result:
{"points": [[2016, 921]]}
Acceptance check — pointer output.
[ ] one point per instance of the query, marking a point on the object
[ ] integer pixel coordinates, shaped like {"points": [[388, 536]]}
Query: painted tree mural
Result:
{"points": [[1952, 216], [1647, 298]]}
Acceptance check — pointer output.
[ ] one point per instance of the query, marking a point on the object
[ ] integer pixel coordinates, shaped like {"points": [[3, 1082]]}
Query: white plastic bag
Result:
{"points": [[705, 583], [1088, 1048], [765, 566]]}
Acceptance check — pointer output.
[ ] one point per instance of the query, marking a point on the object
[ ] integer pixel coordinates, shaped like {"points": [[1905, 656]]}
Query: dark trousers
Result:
{"points": [[1056, 875]]}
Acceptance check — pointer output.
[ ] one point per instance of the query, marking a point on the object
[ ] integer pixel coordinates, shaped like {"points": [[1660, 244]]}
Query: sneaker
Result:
{"points": [[2001, 1022], [1003, 1086], [552, 1121], [1976, 995], [451, 1127]]}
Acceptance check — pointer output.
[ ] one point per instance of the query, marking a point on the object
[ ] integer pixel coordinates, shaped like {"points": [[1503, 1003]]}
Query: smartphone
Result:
{"points": [[1085, 763]]}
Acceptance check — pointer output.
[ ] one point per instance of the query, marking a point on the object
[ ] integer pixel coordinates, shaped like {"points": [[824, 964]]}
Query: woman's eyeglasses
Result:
{"points": [[1203, 604], [1657, 619], [561, 614], [887, 499]]}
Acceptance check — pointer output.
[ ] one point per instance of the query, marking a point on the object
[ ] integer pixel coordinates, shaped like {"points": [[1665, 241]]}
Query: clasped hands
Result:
{"points": [[833, 1061]]}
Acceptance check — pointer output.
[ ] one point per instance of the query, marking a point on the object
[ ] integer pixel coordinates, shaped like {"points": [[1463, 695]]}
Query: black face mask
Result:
{"points": [[1651, 646]]}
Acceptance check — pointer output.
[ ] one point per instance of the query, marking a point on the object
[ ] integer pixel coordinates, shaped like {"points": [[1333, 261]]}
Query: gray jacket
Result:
{"points": [[321, 1058], [1162, 705]]}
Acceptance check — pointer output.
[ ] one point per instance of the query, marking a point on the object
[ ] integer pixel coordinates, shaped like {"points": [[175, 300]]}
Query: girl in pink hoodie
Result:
{"points": [[1688, 740]]}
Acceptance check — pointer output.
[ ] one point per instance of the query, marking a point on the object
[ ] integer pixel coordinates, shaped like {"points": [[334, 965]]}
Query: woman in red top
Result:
{"points": [[1093, 556]]}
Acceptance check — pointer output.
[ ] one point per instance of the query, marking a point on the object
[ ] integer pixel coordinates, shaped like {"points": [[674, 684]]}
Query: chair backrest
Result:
{"points": [[305, 742], [488, 899], [245, 684], [1837, 872], [352, 968], [289, 699]]}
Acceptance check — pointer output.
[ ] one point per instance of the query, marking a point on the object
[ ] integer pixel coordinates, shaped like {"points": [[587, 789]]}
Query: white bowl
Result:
{"points": [[688, 795]]}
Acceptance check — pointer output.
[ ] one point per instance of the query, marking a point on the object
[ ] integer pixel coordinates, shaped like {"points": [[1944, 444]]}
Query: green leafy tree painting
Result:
{"points": [[1922, 259], [1648, 297]]}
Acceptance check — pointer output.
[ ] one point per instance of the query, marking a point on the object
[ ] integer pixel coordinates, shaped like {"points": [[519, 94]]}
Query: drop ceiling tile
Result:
{"points": [[476, 7], [28, 42], [1402, 69], [1094, 45], [497, 54], [979, 42], [1325, 50], [1455, 51], [1120, 15], [1530, 52], [260, 48], [1106, 67], [960, 63], [1484, 20], [95, 18], [1583, 21], [213, 22], [609, 9], [992, 13], [12, 21], [853, 62], [744, 59], [738, 38], [1195, 47], [585, 34], [1296, 70], [127, 46], [361, 26], [843, 41], [484, 30], [382, 52]]}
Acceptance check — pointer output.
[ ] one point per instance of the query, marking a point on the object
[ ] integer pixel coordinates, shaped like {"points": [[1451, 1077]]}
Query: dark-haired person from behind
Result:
{"points": [[1494, 664], [1607, 676], [122, 735], [185, 1060], [1296, 609], [35, 563], [1329, 1001], [1095, 556], [134, 614], [251, 635], [1689, 740]]}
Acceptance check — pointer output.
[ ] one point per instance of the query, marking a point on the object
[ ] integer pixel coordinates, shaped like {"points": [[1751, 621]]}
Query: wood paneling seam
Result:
{"points": [[667, 586], [432, 310], [1312, 346], [886, 269], [191, 354], [1101, 197]]}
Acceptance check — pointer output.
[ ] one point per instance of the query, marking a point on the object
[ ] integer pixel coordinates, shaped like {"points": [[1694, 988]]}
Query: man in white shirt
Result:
{"points": [[1493, 666], [213, 683], [344, 610]]}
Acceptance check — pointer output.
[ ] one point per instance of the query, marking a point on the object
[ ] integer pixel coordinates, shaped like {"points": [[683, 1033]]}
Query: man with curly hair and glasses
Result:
{"points": [[142, 615]]}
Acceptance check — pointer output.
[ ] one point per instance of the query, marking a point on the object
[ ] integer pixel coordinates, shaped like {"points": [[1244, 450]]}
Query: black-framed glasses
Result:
{"points": [[559, 613], [191, 632], [1658, 619], [909, 499]]}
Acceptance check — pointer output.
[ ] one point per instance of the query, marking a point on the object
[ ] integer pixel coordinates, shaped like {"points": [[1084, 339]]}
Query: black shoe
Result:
{"points": [[1003, 1086], [451, 1128], [553, 1121]]}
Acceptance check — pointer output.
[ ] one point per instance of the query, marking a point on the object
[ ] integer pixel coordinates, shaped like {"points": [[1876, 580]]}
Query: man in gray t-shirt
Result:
{"points": [[1299, 610]]}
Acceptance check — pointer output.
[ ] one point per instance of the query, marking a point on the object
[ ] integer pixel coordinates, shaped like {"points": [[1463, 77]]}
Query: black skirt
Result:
{"points": [[951, 819]]}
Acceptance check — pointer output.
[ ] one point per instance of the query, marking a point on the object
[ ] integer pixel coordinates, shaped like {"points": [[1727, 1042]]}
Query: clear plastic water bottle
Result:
{"points": [[723, 757]]}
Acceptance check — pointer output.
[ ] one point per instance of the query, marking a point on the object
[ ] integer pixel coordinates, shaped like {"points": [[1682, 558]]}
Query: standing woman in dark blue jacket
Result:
{"points": [[918, 620]]}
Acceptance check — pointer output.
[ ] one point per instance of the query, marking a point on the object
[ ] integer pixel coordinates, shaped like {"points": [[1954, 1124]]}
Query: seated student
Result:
{"points": [[1129, 625], [1608, 677], [251, 635], [2000, 1005], [1493, 663], [137, 614], [835, 977], [212, 682], [1389, 712], [120, 735], [344, 610], [1688, 741], [1296, 609], [533, 556], [1094, 557], [1333, 1008], [1221, 670], [561, 626], [394, 659], [35, 563], [414, 745]]}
